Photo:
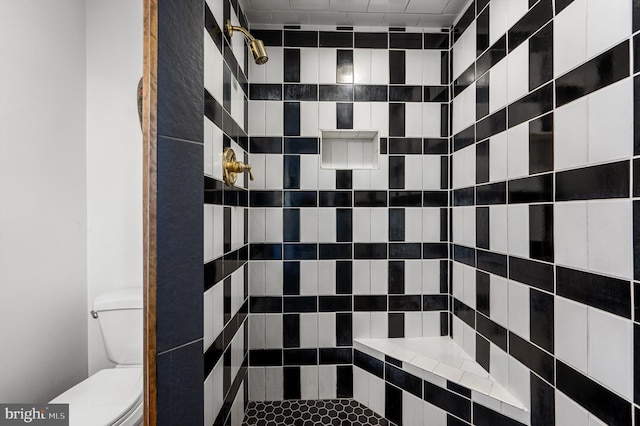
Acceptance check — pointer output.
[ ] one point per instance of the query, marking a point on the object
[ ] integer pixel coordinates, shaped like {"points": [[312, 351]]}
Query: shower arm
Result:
{"points": [[231, 28]]}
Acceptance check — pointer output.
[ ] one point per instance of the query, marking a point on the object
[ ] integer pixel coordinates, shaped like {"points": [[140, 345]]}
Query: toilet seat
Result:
{"points": [[110, 397]]}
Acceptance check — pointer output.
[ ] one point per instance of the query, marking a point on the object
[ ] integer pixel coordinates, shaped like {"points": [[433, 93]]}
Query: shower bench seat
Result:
{"points": [[440, 362]]}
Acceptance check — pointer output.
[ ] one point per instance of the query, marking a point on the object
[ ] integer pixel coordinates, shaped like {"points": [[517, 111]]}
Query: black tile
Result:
{"points": [[344, 69], [344, 381], [336, 39], [370, 198], [436, 302], [464, 22], [261, 304], [463, 197], [405, 146], [541, 232], [483, 289], [371, 40], [435, 198], [482, 32], [483, 416], [226, 229], [300, 38], [265, 92], [494, 193], [403, 380], [541, 56], [300, 357], [461, 390], [265, 251], [492, 331], [396, 325], [444, 172], [534, 104], [464, 138], [268, 37], [362, 93], [636, 240], [435, 251], [344, 327], [405, 303], [464, 80], [532, 357], [444, 121], [405, 93], [636, 115], [454, 421], [636, 302], [370, 251], [466, 255], [541, 144], [291, 278], [301, 146], [226, 303], [334, 251], [404, 251], [296, 304], [447, 400], [595, 182], [179, 385], [534, 189], [397, 64], [537, 16], [464, 312], [344, 219], [542, 402], [333, 356], [300, 199], [300, 92], [396, 119], [636, 177], [482, 96], [300, 251], [292, 118], [335, 303], [536, 274], [342, 92], [561, 4], [180, 70], [492, 56], [343, 179], [483, 349], [291, 382], [335, 199], [344, 116], [292, 65], [396, 225], [265, 357], [599, 72], [396, 277], [291, 172], [265, 145], [180, 272], [636, 15], [436, 40], [606, 293], [370, 303], [405, 198], [492, 125], [482, 162], [396, 172], [436, 94], [444, 67], [265, 199], [541, 317], [405, 40], [368, 363], [636, 363], [606, 405]]}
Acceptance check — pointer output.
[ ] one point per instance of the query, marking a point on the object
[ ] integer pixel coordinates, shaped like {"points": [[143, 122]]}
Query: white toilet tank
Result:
{"points": [[120, 316]]}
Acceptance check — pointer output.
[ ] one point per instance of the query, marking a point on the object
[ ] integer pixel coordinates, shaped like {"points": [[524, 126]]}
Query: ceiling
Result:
{"points": [[368, 13]]}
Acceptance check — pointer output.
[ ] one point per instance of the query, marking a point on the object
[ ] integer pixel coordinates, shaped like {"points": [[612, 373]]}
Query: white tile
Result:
{"points": [[327, 381], [518, 72], [431, 121], [570, 333], [518, 151], [326, 277], [309, 382], [309, 119], [499, 300], [361, 325], [208, 147], [273, 225], [274, 118], [610, 122], [362, 66], [431, 67], [327, 225], [570, 37], [498, 157], [362, 115], [498, 229], [498, 20], [379, 224], [413, 119], [414, 71], [380, 118], [273, 171], [457, 169], [431, 224], [257, 333], [413, 222], [519, 382], [499, 364], [376, 394], [380, 176], [610, 242], [327, 115], [308, 330], [412, 410], [273, 384], [519, 309], [570, 234], [218, 309], [379, 325], [208, 232], [469, 220], [361, 277], [256, 278], [571, 134], [361, 225], [469, 106], [258, 122], [518, 220], [308, 225], [309, 65], [464, 50], [216, 150], [516, 9], [379, 274], [274, 67], [607, 24], [379, 66], [257, 384], [208, 314], [431, 324], [613, 368], [413, 174], [309, 166], [434, 416], [431, 165], [308, 277], [568, 413], [430, 276], [327, 62], [361, 386], [273, 278], [498, 85], [327, 330], [273, 333], [457, 113], [457, 281], [413, 324], [412, 276]]}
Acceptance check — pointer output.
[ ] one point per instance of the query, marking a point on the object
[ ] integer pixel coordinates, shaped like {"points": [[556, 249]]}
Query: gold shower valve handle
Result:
{"points": [[231, 167]]}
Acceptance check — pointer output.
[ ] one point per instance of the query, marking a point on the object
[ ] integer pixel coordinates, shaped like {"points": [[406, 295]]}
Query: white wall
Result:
{"points": [[114, 155], [43, 328]]}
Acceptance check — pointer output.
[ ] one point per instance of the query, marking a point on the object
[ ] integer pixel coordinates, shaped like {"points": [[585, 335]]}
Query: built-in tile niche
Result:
{"points": [[349, 149]]}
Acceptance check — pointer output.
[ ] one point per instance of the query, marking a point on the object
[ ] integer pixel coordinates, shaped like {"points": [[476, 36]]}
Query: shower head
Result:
{"points": [[257, 46]]}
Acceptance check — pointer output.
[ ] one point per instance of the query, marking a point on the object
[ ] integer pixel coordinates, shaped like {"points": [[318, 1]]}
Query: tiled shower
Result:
{"points": [[502, 214]]}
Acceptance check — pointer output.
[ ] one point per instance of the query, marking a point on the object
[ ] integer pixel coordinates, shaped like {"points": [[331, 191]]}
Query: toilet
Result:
{"points": [[112, 396]]}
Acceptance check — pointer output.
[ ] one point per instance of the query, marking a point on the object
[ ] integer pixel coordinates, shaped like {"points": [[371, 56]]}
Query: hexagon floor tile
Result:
{"points": [[333, 412]]}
